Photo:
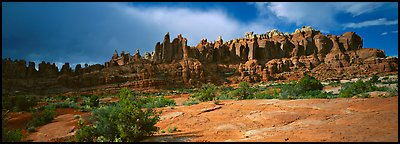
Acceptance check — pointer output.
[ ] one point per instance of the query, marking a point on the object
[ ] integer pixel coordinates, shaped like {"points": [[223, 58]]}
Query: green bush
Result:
{"points": [[157, 102], [290, 91], [61, 97], [85, 108], [43, 117], [7, 102], [11, 135], [171, 130], [85, 134], [81, 121], [351, 89], [206, 93], [191, 102], [225, 93], [313, 94], [19, 103], [374, 79], [335, 83], [73, 99], [389, 82], [216, 101], [124, 121], [94, 101], [89, 102], [308, 83], [307, 87], [244, 91], [31, 129], [64, 105], [263, 95]]}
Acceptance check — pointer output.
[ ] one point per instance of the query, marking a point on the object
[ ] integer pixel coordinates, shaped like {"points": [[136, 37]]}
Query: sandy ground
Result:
{"points": [[62, 127], [370, 119]]}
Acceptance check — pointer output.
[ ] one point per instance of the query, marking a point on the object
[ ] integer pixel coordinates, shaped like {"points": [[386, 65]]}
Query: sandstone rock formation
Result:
{"points": [[273, 55]]}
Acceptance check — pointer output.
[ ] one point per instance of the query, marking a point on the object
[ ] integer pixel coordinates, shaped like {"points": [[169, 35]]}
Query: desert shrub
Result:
{"points": [[289, 91], [172, 129], [350, 89], [363, 95], [190, 102], [72, 99], [263, 95], [77, 116], [308, 83], [313, 94], [31, 129], [42, 117], [275, 95], [184, 90], [307, 87], [94, 101], [389, 81], [19, 103], [335, 83], [85, 134], [61, 97], [64, 104], [216, 101], [81, 121], [124, 121], [157, 102], [85, 108], [7, 102], [224, 93], [394, 91], [103, 139], [225, 96], [89, 102], [374, 79], [244, 91], [206, 93], [11, 135]]}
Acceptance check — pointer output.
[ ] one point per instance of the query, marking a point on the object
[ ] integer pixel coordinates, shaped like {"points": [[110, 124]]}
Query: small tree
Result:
{"points": [[207, 93], [308, 83], [125, 121], [244, 91], [374, 79]]}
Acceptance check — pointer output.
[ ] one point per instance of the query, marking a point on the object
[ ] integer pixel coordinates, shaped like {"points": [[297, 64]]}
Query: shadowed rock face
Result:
{"points": [[255, 58]]}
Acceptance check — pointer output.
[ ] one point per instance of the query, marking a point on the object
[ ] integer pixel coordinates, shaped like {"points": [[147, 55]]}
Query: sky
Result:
{"points": [[89, 32]]}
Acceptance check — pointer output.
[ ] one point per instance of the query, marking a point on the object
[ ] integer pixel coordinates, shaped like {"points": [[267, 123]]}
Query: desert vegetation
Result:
{"points": [[131, 119], [133, 116], [306, 88]]}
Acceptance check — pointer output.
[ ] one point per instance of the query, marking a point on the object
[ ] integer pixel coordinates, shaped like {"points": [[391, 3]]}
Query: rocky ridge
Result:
{"points": [[255, 58]]}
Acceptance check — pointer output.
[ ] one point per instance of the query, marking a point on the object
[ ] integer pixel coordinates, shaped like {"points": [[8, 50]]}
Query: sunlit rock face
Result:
{"points": [[273, 55]]}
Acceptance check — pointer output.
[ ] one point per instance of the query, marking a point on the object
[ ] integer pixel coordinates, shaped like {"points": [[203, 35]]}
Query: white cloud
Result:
{"points": [[191, 23], [320, 15], [384, 33], [381, 21], [82, 32], [358, 8]]}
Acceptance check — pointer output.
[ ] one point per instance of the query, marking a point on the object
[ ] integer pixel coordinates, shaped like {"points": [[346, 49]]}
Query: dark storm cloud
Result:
{"points": [[69, 32]]}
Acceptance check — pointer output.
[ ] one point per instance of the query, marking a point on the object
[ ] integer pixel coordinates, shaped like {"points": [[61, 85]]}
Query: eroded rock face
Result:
{"points": [[254, 58], [47, 70]]}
